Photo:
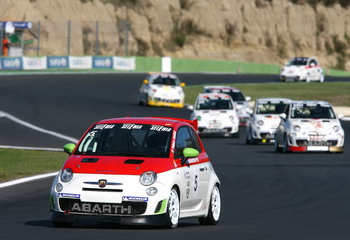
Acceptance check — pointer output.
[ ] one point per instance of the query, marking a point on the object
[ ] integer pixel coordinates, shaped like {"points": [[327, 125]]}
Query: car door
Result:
{"points": [[195, 171]]}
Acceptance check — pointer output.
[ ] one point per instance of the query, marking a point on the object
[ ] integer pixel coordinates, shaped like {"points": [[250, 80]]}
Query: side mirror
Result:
{"points": [[189, 153], [340, 116], [248, 98], [190, 107], [283, 115], [182, 84], [69, 147], [145, 81]]}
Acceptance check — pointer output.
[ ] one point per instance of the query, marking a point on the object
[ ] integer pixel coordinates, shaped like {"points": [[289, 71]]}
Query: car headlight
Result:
{"points": [[296, 128], [260, 122], [336, 128], [66, 175], [231, 118], [148, 178]]}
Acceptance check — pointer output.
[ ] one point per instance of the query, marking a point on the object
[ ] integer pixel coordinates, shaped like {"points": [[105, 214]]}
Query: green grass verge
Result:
{"points": [[16, 164], [337, 93]]}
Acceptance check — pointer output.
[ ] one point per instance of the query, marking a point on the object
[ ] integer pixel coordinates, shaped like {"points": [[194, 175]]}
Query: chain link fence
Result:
{"points": [[59, 38]]}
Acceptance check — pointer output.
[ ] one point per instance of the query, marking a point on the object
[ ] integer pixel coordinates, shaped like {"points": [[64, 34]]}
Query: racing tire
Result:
{"points": [[214, 210], [308, 78], [278, 149], [143, 102], [321, 78], [250, 139], [247, 137], [285, 145], [173, 209]]}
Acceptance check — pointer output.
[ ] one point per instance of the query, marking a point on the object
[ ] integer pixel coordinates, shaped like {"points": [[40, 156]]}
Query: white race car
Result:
{"points": [[265, 119], [216, 114], [302, 69], [243, 108], [162, 90], [309, 126], [137, 171]]}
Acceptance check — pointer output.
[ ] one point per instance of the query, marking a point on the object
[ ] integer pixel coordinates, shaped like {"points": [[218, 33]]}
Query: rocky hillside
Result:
{"points": [[266, 31]]}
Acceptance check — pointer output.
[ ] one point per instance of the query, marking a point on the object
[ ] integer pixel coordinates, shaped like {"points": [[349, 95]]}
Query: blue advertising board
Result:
{"points": [[102, 62], [11, 63], [57, 62]]}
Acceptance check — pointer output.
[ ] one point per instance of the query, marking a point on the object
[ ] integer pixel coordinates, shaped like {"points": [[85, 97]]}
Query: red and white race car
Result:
{"points": [[309, 126], [302, 69], [137, 171]]}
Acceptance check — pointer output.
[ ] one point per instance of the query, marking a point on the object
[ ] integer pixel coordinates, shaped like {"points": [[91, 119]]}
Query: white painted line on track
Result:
{"points": [[32, 148], [27, 179], [29, 125]]}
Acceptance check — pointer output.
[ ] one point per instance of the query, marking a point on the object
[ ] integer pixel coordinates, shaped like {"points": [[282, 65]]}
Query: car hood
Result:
{"points": [[270, 119], [293, 68], [117, 165], [215, 113], [165, 90], [316, 125]]}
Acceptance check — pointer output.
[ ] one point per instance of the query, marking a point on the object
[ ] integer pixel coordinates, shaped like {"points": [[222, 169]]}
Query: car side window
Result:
{"points": [[185, 139], [195, 140]]}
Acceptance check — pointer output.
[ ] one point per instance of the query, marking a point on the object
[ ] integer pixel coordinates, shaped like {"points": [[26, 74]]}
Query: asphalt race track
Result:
{"points": [[265, 195]]}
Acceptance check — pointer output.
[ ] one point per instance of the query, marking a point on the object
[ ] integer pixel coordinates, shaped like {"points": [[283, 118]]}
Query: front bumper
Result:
{"points": [[229, 131], [324, 145], [154, 220], [165, 103], [264, 135]]}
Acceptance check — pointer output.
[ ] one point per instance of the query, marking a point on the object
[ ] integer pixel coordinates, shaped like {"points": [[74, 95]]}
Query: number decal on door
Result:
{"points": [[195, 183]]}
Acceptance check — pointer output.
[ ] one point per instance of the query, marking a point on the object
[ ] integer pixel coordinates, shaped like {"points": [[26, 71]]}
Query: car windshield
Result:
{"points": [[165, 80], [297, 62], [314, 111], [214, 104], [236, 96], [270, 108], [135, 140]]}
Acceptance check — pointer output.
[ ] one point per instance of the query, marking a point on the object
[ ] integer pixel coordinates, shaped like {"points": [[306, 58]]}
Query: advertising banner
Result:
{"points": [[102, 62], [120, 63], [57, 62], [80, 62], [11, 63], [34, 63]]}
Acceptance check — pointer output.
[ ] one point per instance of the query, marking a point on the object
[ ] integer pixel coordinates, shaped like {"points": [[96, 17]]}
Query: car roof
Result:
{"points": [[287, 100], [163, 74], [203, 96], [227, 88], [310, 102], [164, 121]]}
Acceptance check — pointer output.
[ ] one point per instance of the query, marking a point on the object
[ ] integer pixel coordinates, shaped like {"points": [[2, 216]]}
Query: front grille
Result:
{"points": [[75, 206], [317, 143], [267, 135], [214, 130], [102, 190], [167, 100]]}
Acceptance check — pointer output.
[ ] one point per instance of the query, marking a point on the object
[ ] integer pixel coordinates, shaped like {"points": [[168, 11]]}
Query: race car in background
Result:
{"points": [[242, 102], [137, 171], [302, 69], [216, 114], [262, 125], [162, 90], [309, 126]]}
